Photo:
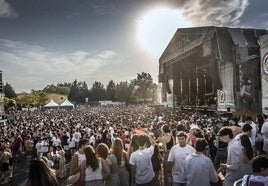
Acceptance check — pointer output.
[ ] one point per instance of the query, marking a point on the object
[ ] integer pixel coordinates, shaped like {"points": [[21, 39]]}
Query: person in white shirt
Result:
{"points": [[260, 169], [176, 159], [44, 146], [93, 170], [77, 136], [199, 168], [38, 147], [264, 131], [92, 139], [234, 159], [56, 142], [142, 172], [246, 130]]}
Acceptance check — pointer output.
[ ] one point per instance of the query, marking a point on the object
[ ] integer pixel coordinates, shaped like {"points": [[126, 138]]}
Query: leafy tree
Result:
{"points": [[124, 92], [9, 91], [26, 100], [73, 91], [9, 103], [110, 89], [83, 91], [50, 89], [36, 98], [97, 92], [78, 92], [41, 98], [59, 89], [153, 92], [143, 84], [63, 90]]}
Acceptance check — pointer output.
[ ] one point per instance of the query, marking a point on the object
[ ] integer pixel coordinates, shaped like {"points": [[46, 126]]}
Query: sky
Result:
{"points": [[44, 42]]}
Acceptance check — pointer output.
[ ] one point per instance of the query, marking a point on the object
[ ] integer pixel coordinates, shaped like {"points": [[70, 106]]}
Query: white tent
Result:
{"points": [[67, 103], [51, 104]]}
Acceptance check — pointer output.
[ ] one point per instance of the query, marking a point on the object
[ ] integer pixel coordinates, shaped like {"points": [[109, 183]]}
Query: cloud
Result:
{"points": [[6, 11], [214, 12], [107, 54], [103, 8], [28, 67], [72, 15]]}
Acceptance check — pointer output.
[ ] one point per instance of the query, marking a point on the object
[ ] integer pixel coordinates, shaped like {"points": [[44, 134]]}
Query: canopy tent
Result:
{"points": [[67, 103], [51, 104]]}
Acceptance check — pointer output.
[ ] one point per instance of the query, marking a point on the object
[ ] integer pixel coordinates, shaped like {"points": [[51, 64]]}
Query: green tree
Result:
{"points": [[40, 98], [124, 92], [9, 91], [59, 89], [97, 92], [78, 92], [110, 89], [63, 90], [50, 89], [73, 94], [27, 100], [9, 103], [143, 85], [153, 92]]}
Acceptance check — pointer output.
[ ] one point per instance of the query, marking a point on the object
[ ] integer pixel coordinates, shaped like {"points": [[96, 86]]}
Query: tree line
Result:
{"points": [[139, 89]]}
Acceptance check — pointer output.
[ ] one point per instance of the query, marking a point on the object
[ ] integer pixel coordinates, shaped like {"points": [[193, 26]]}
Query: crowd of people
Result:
{"points": [[134, 145]]}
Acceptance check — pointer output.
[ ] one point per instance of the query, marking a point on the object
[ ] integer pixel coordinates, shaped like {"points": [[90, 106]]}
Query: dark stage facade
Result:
{"points": [[216, 68]]}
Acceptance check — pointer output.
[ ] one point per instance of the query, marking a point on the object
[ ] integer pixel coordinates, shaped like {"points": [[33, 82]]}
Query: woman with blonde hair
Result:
{"points": [[122, 160], [133, 145], [62, 162], [93, 169]]}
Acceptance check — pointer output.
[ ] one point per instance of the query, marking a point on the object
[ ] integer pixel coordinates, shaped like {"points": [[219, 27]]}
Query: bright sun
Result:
{"points": [[156, 28]]}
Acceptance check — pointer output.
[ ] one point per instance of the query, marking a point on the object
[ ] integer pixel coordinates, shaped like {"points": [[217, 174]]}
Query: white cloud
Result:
{"points": [[107, 54], [214, 12], [6, 10], [103, 7], [28, 67]]}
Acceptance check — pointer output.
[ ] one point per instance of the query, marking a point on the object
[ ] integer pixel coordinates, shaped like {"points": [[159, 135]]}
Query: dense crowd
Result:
{"points": [[134, 145]]}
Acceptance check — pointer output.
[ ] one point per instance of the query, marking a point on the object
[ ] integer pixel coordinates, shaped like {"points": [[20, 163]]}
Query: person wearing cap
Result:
{"points": [[191, 134]]}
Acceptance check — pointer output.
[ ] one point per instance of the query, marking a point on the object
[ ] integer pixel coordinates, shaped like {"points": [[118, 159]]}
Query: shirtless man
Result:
{"points": [[5, 155]]}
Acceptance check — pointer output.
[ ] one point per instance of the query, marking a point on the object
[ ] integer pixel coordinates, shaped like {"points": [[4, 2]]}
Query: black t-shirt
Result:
{"points": [[65, 139]]}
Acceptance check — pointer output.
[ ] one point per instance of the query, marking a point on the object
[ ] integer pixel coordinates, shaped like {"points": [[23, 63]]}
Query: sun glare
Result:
{"points": [[156, 28]]}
